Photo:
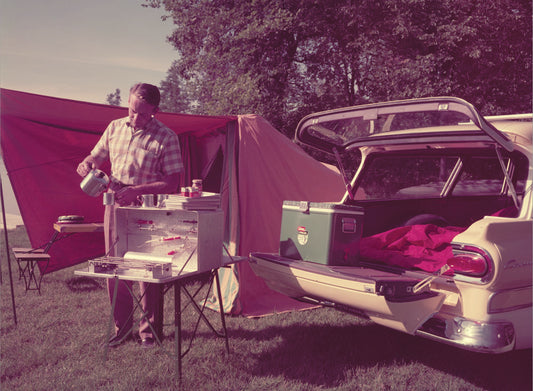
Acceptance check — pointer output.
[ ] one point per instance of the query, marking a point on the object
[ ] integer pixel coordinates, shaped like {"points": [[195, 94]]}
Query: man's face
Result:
{"points": [[140, 112]]}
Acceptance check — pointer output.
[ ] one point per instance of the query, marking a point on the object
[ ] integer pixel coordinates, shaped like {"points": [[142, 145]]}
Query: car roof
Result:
{"points": [[518, 128]]}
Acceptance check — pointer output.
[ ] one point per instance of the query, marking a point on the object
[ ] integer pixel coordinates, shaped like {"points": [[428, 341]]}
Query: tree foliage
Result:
{"points": [[114, 98], [283, 59]]}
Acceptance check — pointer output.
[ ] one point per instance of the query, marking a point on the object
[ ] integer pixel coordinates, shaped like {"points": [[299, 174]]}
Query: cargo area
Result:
{"points": [[409, 234], [383, 215]]}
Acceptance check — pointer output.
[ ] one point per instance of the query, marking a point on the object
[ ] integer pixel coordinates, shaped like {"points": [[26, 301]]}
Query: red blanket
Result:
{"points": [[426, 247]]}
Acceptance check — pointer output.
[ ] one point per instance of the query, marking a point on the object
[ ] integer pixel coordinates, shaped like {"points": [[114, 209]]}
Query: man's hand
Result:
{"points": [[86, 166], [126, 196]]}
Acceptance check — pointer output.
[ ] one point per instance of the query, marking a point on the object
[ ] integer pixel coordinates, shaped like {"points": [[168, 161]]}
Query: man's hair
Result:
{"points": [[146, 92]]}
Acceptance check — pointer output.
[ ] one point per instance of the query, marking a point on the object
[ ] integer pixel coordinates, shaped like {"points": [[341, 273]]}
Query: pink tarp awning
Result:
{"points": [[43, 139]]}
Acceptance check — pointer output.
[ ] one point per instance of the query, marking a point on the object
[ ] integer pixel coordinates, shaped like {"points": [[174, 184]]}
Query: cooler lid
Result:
{"points": [[305, 206]]}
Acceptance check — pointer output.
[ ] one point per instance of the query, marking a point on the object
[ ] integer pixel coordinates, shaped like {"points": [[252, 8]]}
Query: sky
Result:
{"points": [[81, 50]]}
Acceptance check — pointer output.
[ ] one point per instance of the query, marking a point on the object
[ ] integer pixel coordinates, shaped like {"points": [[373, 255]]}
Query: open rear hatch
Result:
{"points": [[386, 298], [376, 123]]}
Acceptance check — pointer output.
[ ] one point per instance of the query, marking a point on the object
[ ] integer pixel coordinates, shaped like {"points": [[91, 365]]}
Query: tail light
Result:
{"points": [[471, 262]]}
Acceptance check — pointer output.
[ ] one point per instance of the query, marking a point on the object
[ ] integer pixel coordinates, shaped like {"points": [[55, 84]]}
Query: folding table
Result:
{"points": [[178, 282]]}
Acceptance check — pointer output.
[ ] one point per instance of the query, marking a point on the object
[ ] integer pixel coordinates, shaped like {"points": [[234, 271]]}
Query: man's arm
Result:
{"points": [[129, 194]]}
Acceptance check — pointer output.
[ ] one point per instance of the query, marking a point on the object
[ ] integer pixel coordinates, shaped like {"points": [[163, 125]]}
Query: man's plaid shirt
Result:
{"points": [[142, 156]]}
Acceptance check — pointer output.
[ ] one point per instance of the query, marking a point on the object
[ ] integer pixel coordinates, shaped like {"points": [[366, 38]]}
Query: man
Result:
{"points": [[145, 158]]}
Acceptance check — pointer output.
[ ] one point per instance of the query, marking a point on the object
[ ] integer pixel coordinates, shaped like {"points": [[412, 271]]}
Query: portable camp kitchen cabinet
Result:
{"points": [[190, 239], [327, 233]]}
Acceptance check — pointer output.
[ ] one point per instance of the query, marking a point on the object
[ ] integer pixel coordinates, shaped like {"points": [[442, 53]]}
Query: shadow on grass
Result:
{"points": [[83, 284], [322, 355]]}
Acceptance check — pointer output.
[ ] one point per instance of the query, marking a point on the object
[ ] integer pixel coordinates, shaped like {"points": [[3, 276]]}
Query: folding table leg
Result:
{"points": [[111, 317], [31, 277], [177, 327], [221, 307], [31, 260]]}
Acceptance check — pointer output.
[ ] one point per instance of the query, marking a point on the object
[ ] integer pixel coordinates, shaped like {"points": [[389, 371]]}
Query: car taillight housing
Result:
{"points": [[470, 261]]}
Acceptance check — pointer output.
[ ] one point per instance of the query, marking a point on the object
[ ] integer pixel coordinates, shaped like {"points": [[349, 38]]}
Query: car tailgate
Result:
{"points": [[386, 298]]}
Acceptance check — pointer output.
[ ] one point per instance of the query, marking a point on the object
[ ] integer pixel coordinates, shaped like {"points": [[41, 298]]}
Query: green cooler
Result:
{"points": [[327, 233]]}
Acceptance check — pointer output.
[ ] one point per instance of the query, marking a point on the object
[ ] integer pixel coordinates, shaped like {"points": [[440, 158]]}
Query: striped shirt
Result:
{"points": [[142, 156]]}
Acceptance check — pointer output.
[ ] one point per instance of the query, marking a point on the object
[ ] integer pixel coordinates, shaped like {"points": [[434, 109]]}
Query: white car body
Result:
{"points": [[483, 302]]}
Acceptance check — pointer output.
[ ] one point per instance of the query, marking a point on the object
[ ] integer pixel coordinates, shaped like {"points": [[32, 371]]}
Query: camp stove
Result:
{"points": [[131, 266]]}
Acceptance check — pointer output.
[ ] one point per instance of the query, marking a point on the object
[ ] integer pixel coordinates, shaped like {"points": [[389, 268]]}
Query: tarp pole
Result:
{"points": [[7, 253]]}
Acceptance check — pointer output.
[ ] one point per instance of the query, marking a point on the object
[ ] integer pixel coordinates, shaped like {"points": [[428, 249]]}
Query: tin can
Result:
{"points": [[109, 198], [193, 192], [161, 200], [148, 200], [197, 186]]}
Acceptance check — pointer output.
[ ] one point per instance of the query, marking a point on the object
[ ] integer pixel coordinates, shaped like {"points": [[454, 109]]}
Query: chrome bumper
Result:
{"points": [[483, 337]]}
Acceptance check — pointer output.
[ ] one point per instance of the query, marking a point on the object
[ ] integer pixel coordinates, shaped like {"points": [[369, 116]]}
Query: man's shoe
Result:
{"points": [[118, 340], [147, 342]]}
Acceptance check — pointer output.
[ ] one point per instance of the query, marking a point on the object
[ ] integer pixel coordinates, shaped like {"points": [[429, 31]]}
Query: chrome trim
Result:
{"points": [[509, 117], [482, 337]]}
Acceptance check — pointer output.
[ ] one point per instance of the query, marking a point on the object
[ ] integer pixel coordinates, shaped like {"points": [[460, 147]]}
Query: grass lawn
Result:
{"points": [[57, 345]]}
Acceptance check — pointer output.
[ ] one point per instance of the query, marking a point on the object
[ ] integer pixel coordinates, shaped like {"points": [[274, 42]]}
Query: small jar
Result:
{"points": [[197, 186]]}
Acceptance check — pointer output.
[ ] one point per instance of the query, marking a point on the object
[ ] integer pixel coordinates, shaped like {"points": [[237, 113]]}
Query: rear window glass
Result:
{"points": [[346, 128], [400, 177], [405, 177], [480, 176]]}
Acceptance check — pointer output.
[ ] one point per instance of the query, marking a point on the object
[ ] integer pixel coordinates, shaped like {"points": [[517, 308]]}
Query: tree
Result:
{"points": [[114, 98], [175, 93], [477, 50], [285, 59]]}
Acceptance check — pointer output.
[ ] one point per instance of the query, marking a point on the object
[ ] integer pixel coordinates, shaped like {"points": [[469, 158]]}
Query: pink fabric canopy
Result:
{"points": [[256, 168], [43, 140]]}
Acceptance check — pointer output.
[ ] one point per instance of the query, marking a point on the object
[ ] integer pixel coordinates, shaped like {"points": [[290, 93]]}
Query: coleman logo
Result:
{"points": [[302, 235]]}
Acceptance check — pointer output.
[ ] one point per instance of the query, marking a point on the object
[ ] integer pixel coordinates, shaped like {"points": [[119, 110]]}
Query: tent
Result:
{"points": [[252, 165]]}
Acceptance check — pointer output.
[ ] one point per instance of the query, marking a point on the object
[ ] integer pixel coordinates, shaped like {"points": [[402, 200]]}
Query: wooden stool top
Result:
{"points": [[27, 250], [32, 256]]}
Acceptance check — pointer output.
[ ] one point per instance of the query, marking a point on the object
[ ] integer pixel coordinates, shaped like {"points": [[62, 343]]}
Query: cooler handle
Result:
{"points": [[349, 225]]}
